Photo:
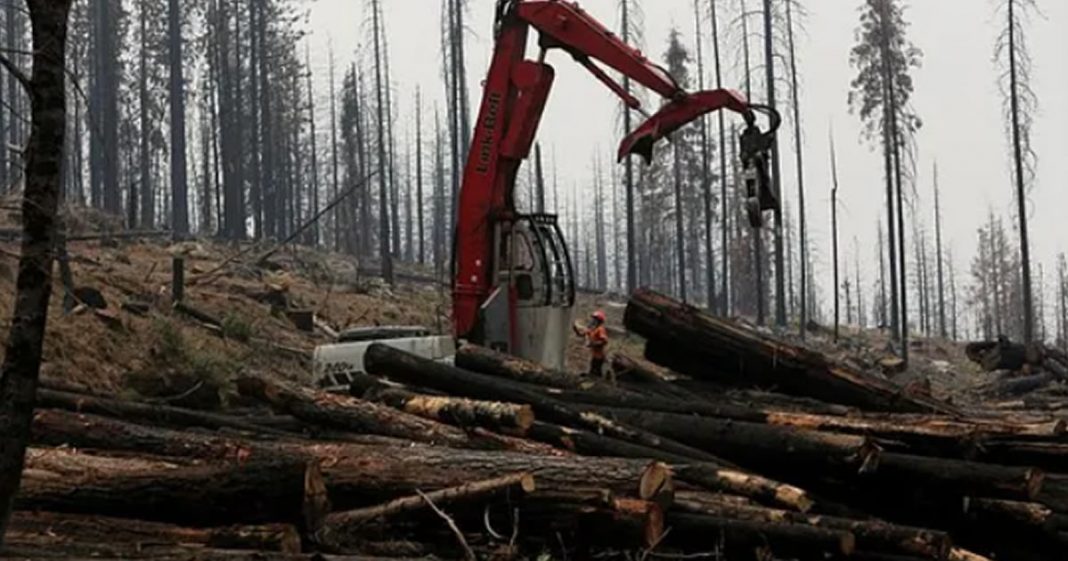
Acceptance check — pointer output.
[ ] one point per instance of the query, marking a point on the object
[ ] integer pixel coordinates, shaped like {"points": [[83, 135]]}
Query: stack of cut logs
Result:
{"points": [[748, 449], [1021, 369]]}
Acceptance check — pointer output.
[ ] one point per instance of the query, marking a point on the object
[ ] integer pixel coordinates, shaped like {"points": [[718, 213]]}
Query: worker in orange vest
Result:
{"points": [[596, 334]]}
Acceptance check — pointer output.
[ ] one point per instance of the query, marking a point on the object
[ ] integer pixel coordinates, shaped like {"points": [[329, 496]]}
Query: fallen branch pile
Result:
{"points": [[498, 458]]}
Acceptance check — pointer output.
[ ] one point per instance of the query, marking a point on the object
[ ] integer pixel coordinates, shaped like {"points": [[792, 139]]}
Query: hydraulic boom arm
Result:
{"points": [[515, 94]]}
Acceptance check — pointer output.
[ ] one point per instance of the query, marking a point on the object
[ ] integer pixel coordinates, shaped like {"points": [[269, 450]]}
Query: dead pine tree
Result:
{"points": [[179, 172], [938, 249], [776, 167], [384, 251], [43, 164], [630, 34], [834, 236], [791, 6], [1021, 104], [706, 171], [419, 174], [725, 299]]}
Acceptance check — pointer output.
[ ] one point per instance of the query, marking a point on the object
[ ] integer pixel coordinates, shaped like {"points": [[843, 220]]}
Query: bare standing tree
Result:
{"points": [[791, 7], [706, 171], [384, 251], [43, 164], [179, 180], [631, 33], [938, 249], [776, 166], [834, 234], [725, 298], [1021, 103]]}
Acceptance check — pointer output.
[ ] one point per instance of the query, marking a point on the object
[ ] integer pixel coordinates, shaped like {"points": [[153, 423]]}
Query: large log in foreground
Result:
{"points": [[259, 491], [354, 473], [94, 535], [754, 359]]}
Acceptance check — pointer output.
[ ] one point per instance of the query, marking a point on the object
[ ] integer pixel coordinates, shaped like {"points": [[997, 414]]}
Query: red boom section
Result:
{"points": [[677, 114], [566, 26], [513, 98]]}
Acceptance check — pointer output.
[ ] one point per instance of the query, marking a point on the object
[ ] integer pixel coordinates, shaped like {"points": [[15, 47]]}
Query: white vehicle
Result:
{"points": [[333, 365]]}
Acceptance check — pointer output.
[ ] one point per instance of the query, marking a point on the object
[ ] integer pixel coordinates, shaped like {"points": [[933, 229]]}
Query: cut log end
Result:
{"points": [[648, 514], [657, 485]]}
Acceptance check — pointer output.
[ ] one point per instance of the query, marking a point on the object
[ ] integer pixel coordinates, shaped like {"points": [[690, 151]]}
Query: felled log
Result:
{"points": [[874, 536], [710, 476], [94, 535], [348, 413], [341, 528], [460, 411], [407, 368], [754, 359], [258, 491], [759, 446], [1019, 385], [620, 398], [1020, 514], [190, 554], [640, 375], [354, 471], [1050, 456], [132, 410], [959, 477], [785, 540], [621, 524], [486, 361]]}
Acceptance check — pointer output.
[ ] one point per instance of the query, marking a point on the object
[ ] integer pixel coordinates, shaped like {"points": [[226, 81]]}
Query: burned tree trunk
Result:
{"points": [[33, 285]]}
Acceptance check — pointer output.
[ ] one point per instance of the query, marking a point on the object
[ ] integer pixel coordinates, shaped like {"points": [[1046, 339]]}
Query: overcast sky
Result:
{"points": [[956, 96]]}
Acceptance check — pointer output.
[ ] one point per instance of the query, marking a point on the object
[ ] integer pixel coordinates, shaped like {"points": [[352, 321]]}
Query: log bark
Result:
{"points": [[93, 535], [153, 413], [1050, 456], [873, 536], [459, 411], [643, 377], [785, 540], [191, 554], [752, 359], [413, 370], [342, 528], [622, 524], [1000, 513], [1019, 385], [710, 476], [485, 361], [261, 490], [760, 447], [959, 477], [348, 413], [357, 473]]}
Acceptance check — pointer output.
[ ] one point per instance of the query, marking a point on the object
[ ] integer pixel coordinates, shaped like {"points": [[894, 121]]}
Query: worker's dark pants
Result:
{"points": [[597, 368]]}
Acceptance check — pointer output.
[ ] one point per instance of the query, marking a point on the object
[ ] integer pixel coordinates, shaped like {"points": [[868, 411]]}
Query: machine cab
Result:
{"points": [[529, 315]]}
